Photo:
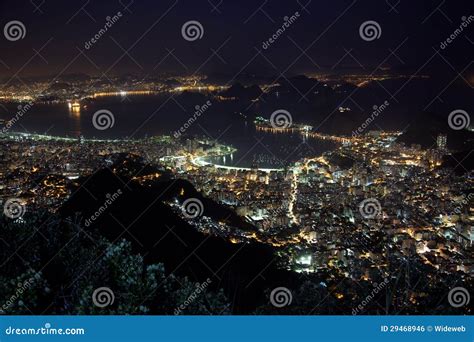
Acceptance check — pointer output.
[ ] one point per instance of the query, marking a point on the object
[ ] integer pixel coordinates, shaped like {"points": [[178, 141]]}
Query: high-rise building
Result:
{"points": [[442, 141]]}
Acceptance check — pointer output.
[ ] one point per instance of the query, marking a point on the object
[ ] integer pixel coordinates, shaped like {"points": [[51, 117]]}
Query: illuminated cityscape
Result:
{"points": [[344, 180]]}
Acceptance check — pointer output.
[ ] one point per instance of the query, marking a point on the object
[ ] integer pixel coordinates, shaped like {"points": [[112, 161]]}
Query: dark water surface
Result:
{"points": [[141, 116]]}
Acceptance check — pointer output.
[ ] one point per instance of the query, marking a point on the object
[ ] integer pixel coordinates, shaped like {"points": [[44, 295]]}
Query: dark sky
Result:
{"points": [[415, 27]]}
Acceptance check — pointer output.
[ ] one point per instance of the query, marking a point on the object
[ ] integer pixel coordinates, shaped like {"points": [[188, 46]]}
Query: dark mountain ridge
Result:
{"points": [[160, 234]]}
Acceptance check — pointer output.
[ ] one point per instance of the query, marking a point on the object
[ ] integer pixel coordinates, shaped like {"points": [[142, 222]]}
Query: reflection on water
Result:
{"points": [[75, 118], [142, 116], [271, 150]]}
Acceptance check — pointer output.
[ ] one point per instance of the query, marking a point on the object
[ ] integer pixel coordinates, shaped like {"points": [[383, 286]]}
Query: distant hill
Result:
{"points": [[426, 126], [242, 92]]}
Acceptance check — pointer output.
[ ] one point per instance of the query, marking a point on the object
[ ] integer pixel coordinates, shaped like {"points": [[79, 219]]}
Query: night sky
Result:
{"points": [[151, 32]]}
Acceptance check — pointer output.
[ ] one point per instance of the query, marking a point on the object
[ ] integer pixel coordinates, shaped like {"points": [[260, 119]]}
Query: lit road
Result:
{"points": [[200, 162]]}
